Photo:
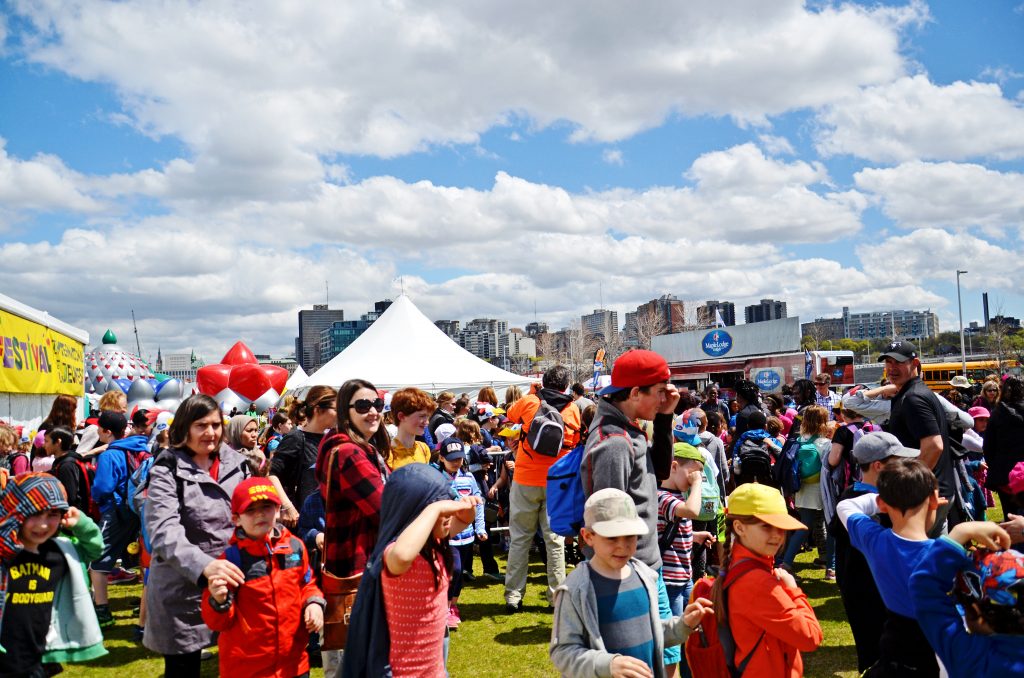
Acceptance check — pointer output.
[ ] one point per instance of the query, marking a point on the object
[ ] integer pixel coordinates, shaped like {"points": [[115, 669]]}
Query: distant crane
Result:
{"points": [[138, 347]]}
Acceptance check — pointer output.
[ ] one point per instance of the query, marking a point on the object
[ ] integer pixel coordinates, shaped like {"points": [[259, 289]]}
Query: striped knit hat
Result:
{"points": [[26, 495]]}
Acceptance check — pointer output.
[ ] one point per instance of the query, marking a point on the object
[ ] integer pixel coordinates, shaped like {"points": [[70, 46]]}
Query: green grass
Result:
{"points": [[492, 643]]}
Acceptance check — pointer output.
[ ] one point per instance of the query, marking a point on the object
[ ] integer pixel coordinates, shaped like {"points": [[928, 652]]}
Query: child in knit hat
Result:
{"points": [[45, 610]]}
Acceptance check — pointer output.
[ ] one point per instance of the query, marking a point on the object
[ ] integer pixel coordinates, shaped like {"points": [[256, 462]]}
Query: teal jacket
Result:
{"points": [[74, 634]]}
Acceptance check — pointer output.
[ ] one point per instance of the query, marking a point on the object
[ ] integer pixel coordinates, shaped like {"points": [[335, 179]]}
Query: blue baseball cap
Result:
{"points": [[686, 430]]}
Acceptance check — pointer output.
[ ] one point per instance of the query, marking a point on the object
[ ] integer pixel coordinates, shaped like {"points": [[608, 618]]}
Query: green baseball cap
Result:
{"points": [[687, 451]]}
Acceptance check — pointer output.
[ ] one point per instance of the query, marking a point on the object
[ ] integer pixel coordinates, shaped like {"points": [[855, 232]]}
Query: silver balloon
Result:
{"points": [[172, 388], [144, 404], [266, 401], [228, 400], [168, 404], [140, 390]]}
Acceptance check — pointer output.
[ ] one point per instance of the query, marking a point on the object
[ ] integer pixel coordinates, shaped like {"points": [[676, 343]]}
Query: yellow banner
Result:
{"points": [[36, 359]]}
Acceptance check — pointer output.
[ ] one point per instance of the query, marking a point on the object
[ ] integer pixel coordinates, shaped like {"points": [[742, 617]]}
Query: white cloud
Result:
{"points": [[776, 145], [612, 156], [947, 194], [277, 86], [1001, 74], [43, 183], [911, 119]]}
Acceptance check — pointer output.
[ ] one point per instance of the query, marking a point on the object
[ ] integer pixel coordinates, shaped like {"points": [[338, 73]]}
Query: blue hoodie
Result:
{"points": [[113, 468], [963, 654]]}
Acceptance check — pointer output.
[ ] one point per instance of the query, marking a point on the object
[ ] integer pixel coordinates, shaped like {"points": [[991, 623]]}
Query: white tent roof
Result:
{"points": [[404, 348], [297, 379]]}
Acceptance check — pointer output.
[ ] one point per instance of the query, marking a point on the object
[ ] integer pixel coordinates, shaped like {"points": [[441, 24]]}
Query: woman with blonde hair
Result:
{"points": [[292, 465], [112, 401], [512, 394], [814, 447]]}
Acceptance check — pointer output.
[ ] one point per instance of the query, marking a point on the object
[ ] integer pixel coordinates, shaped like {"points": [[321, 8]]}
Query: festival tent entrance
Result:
{"points": [[404, 348]]}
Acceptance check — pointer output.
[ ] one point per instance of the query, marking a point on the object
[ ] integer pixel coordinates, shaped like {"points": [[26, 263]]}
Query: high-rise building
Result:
{"points": [[669, 312], [768, 309], [483, 338], [706, 313], [518, 344], [535, 328], [311, 323], [602, 323], [449, 327]]}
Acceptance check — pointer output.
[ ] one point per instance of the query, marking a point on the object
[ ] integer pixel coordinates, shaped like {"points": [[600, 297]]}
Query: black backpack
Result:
{"points": [[755, 459], [547, 431]]}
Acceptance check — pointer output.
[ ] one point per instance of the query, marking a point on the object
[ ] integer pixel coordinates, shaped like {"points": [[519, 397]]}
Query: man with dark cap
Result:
{"points": [[918, 420]]}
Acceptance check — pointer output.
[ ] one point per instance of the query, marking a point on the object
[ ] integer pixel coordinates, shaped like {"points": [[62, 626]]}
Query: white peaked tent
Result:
{"points": [[404, 348], [297, 379]]}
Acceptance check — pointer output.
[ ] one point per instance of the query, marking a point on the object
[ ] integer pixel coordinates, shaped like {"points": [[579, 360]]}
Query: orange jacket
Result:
{"points": [[758, 604], [262, 631], [532, 469]]}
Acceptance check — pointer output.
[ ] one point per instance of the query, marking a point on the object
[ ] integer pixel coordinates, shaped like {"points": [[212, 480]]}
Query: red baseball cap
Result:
{"points": [[252, 490], [637, 368]]}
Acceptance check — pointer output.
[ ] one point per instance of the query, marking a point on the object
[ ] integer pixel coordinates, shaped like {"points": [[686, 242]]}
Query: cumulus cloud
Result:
{"points": [[911, 118], [947, 194], [280, 85], [776, 145], [612, 156], [43, 183]]}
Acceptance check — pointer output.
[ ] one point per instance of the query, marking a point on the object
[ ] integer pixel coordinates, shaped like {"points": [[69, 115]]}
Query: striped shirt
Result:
{"points": [[624, 615], [676, 567]]}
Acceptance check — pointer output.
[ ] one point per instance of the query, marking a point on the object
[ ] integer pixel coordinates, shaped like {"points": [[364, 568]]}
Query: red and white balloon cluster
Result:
{"points": [[240, 380]]}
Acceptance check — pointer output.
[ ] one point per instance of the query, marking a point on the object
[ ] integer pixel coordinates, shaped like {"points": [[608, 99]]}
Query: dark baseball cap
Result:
{"points": [[452, 449], [900, 351]]}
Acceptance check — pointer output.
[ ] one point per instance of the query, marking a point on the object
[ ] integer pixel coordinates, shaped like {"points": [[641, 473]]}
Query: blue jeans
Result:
{"points": [[797, 539], [678, 599], [672, 654]]}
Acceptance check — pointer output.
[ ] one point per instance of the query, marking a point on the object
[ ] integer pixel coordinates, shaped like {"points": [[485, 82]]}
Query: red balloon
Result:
{"points": [[212, 379], [248, 380], [277, 375], [239, 354]]}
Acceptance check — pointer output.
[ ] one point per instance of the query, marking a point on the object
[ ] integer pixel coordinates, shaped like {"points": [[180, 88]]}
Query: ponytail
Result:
{"points": [[718, 588]]}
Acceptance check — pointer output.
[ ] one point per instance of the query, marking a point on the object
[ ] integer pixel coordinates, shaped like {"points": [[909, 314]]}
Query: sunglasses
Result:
{"points": [[362, 406]]}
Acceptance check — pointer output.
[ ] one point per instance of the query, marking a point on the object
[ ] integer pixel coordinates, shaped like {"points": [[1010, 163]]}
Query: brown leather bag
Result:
{"points": [[340, 592]]}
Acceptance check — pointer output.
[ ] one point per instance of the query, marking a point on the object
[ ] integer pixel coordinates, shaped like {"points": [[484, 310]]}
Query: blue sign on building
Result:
{"points": [[767, 380], [716, 343]]}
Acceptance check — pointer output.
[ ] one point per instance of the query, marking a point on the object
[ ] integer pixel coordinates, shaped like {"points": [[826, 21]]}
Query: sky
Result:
{"points": [[217, 166]]}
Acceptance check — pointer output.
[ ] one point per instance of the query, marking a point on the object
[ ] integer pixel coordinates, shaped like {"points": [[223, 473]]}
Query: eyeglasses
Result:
{"points": [[362, 406]]}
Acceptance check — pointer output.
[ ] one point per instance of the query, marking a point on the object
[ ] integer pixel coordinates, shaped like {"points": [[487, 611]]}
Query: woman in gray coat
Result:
{"points": [[188, 517]]}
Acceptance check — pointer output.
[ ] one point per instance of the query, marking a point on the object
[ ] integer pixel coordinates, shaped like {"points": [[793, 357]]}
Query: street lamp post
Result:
{"points": [[960, 307]]}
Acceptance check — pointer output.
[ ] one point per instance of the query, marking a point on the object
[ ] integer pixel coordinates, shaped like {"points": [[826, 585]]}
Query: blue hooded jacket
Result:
{"points": [[408, 491], [113, 468]]}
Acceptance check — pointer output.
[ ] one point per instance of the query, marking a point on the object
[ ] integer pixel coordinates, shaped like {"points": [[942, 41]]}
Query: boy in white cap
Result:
{"points": [[606, 620]]}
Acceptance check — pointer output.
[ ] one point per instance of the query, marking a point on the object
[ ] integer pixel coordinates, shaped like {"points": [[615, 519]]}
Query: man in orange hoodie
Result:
{"points": [[528, 495]]}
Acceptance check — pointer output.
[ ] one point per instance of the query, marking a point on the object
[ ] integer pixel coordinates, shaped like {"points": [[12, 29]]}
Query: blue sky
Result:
{"points": [[210, 169]]}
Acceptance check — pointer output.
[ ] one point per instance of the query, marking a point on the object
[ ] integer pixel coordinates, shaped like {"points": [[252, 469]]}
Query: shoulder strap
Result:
{"points": [[329, 472], [725, 636]]}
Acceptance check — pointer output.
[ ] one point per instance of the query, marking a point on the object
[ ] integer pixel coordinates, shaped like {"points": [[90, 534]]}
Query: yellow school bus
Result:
{"points": [[937, 375]]}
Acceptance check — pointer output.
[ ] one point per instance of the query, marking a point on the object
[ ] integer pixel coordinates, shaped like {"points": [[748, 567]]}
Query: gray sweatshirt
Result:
{"points": [[618, 455], [577, 649]]}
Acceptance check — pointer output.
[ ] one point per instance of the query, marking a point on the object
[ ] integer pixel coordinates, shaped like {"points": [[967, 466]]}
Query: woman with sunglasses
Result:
{"points": [[351, 471], [989, 395], [292, 462]]}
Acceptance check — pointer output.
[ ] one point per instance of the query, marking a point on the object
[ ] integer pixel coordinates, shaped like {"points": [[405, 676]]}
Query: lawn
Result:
{"points": [[493, 643]]}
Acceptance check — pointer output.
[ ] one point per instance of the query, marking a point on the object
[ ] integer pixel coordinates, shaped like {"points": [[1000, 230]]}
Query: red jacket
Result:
{"points": [[262, 632], [759, 604]]}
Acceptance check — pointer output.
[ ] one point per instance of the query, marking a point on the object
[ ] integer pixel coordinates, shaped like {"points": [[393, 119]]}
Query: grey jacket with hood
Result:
{"points": [[577, 649], [619, 455], [188, 517]]}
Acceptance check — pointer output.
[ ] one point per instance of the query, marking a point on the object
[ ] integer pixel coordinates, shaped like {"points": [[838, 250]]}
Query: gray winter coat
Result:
{"points": [[188, 516], [619, 455], [577, 649]]}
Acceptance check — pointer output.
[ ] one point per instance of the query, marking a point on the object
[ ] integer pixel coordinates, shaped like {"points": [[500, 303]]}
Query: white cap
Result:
{"points": [[612, 513]]}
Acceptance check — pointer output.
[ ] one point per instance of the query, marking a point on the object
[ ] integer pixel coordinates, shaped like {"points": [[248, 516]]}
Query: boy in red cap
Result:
{"points": [[264, 624]]}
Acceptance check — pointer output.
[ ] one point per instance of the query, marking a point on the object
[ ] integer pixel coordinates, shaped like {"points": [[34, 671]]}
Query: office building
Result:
{"points": [[767, 309], [888, 324], [822, 329], [311, 323], [601, 324], [706, 313], [449, 327], [483, 338], [535, 328]]}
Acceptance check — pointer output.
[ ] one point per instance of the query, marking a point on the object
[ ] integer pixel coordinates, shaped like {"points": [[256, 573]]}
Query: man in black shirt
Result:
{"points": [[918, 420]]}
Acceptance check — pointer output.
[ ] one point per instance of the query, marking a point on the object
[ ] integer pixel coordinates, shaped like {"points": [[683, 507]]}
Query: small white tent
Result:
{"points": [[297, 379], [404, 348]]}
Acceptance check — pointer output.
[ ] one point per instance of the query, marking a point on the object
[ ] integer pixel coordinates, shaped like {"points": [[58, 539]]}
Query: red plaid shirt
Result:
{"points": [[353, 515]]}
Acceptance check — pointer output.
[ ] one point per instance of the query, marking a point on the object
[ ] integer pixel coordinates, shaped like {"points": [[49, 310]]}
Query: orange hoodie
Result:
{"points": [[782, 614]]}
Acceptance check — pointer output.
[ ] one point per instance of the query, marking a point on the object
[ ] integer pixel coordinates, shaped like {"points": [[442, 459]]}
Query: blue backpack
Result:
{"points": [[786, 472], [565, 497]]}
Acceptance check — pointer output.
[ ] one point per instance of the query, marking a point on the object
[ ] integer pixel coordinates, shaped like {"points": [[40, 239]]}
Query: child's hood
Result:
{"points": [[26, 496], [277, 540]]}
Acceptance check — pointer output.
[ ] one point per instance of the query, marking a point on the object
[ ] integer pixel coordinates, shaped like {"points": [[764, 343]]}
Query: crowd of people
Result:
{"points": [[340, 529]]}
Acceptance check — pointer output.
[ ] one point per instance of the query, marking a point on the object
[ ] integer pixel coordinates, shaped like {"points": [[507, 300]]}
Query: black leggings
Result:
{"points": [[183, 665]]}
